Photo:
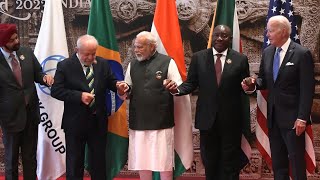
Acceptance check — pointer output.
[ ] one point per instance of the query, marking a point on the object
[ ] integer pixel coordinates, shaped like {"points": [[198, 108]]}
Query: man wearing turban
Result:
{"points": [[19, 103]]}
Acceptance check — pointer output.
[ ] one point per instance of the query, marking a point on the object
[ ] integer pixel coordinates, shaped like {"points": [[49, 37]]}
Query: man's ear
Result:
{"points": [[154, 47]]}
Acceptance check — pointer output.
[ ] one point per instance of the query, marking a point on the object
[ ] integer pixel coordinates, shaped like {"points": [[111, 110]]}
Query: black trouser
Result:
{"points": [[284, 143], [75, 148], [220, 151], [26, 140]]}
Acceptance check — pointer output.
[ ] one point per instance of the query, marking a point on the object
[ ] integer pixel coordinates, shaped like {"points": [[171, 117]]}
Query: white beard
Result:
{"points": [[140, 58]]}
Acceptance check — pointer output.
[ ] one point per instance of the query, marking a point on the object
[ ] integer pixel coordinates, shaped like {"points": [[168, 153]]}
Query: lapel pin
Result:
{"points": [[158, 74], [21, 57], [229, 61]]}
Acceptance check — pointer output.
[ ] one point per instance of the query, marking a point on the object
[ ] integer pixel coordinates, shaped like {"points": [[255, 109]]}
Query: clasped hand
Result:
{"points": [[248, 84], [122, 87], [48, 79], [171, 86]]}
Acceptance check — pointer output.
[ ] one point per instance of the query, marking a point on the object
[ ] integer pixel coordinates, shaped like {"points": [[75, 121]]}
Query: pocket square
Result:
{"points": [[289, 64]]}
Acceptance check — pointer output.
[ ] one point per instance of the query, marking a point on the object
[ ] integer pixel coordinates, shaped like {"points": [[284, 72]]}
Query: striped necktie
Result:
{"points": [[90, 81]]}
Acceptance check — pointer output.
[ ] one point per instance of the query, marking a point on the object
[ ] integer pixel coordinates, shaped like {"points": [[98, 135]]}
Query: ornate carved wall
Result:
{"points": [[133, 16]]}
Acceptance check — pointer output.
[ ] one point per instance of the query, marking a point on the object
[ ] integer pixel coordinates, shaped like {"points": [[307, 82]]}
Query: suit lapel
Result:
{"points": [[95, 74], [211, 67], [4, 63], [269, 58], [78, 69], [287, 57]]}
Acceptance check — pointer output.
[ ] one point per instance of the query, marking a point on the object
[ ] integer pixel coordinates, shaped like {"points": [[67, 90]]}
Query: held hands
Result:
{"points": [[48, 79], [86, 98], [248, 83], [171, 86], [122, 87]]}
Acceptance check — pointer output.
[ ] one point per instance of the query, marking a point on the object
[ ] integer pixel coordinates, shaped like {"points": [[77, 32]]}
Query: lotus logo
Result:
{"points": [[49, 66]]}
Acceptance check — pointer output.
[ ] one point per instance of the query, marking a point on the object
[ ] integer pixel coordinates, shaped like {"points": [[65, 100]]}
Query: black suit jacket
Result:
{"points": [[224, 99], [70, 82], [290, 96], [14, 98]]}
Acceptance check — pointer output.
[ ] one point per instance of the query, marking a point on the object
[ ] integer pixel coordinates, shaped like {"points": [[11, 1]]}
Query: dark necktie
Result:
{"points": [[218, 67], [276, 64], [90, 81], [16, 69]]}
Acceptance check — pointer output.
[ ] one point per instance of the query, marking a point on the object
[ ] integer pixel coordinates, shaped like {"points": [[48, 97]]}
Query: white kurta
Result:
{"points": [[152, 149]]}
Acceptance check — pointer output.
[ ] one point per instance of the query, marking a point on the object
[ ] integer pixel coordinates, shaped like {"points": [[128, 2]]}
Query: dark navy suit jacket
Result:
{"points": [[225, 99], [70, 82], [290, 96], [13, 97]]}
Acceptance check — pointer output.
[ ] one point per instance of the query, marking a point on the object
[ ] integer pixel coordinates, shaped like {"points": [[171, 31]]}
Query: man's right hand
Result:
{"points": [[122, 87], [86, 98], [248, 84]]}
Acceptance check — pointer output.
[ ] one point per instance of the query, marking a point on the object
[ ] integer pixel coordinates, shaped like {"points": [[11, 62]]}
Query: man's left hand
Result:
{"points": [[300, 126], [48, 79]]}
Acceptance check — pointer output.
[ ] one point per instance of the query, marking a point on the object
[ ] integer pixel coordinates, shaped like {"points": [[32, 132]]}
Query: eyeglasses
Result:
{"points": [[222, 36]]}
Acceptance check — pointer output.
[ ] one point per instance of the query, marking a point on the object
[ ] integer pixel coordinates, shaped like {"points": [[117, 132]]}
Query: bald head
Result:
{"points": [[86, 48], [145, 45], [223, 28], [281, 22], [86, 40], [148, 37], [221, 38], [278, 30]]}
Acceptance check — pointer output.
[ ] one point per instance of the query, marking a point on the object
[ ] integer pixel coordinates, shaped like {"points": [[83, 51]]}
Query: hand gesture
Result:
{"points": [[122, 87], [248, 83], [48, 79]]}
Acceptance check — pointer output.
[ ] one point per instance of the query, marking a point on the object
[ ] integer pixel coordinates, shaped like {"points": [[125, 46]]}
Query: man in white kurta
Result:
{"points": [[151, 122]]}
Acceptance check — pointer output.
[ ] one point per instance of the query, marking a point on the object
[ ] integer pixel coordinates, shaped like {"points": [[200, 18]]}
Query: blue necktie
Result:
{"points": [[276, 64]]}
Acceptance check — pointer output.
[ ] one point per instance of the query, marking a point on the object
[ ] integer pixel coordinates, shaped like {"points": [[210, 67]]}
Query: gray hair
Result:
{"points": [[151, 39], [282, 22], [85, 39]]}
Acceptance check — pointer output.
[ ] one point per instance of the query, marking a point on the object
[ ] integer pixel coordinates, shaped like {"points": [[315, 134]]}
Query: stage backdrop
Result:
{"points": [[195, 17]]}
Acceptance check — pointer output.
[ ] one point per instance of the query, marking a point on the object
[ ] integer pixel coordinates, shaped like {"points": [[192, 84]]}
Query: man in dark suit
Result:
{"points": [[82, 82], [19, 103], [287, 72], [218, 73]]}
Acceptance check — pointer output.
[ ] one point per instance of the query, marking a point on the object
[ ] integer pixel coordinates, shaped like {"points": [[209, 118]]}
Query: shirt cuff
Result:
{"points": [[177, 93], [123, 97], [304, 121], [251, 92]]}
